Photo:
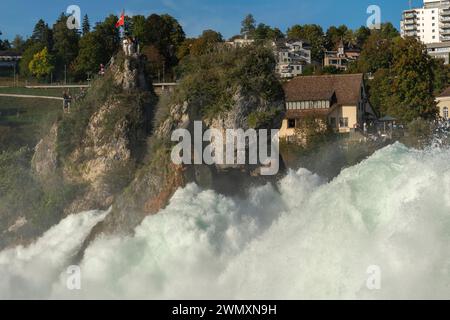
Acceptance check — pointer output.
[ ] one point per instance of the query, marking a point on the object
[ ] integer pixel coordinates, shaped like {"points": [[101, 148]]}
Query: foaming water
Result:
{"points": [[311, 239]]}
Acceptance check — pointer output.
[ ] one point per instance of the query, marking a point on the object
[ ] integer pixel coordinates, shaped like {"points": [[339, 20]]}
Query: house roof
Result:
{"points": [[9, 54], [311, 88], [445, 93]]}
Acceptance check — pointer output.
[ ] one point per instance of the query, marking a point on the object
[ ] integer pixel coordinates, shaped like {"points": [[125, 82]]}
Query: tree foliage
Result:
{"points": [[65, 47], [96, 47], [41, 65], [42, 34], [404, 89], [313, 34], [248, 26], [86, 25]]}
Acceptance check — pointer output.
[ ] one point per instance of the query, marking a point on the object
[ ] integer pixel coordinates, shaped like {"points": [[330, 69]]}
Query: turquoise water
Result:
{"points": [[311, 240]]}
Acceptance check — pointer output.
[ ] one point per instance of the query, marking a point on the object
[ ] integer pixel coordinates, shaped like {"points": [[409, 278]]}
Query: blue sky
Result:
{"points": [[19, 16]]}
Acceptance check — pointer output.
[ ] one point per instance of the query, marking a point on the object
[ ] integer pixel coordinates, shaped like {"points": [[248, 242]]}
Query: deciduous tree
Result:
{"points": [[41, 64]]}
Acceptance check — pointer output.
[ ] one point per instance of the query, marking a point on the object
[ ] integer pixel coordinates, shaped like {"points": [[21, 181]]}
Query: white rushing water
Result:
{"points": [[309, 240]]}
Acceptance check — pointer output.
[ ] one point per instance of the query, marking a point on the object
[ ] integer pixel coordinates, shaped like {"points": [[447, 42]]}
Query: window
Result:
{"points": [[291, 123], [445, 113], [333, 122], [343, 122]]}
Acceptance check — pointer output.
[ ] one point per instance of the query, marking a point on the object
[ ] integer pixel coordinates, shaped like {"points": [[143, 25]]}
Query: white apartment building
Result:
{"points": [[292, 57], [431, 25]]}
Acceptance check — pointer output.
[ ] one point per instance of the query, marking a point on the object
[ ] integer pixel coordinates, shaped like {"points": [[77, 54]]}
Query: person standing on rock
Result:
{"points": [[69, 101], [65, 101]]}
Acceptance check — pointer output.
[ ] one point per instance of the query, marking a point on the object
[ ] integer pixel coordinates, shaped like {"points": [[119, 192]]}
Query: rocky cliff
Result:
{"points": [[116, 143], [101, 143]]}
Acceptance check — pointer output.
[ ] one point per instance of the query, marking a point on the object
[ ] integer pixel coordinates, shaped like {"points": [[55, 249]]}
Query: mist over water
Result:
{"points": [[312, 239]]}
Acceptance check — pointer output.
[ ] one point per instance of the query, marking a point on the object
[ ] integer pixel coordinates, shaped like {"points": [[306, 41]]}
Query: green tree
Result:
{"points": [[404, 87], [65, 45], [184, 49], [4, 44], [380, 90], [265, 32], [41, 64], [362, 35], [155, 60], [109, 37], [334, 36], [89, 58], [412, 81], [166, 34], [206, 42], [138, 25], [388, 31], [313, 34], [248, 26], [18, 44], [96, 47], [27, 56], [42, 34], [86, 26], [441, 75], [376, 54]]}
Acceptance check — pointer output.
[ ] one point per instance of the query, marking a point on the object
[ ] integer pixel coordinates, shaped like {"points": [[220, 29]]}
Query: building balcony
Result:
{"points": [[445, 38], [445, 12], [445, 32], [411, 33], [444, 19], [444, 26], [409, 21], [409, 15], [410, 27]]}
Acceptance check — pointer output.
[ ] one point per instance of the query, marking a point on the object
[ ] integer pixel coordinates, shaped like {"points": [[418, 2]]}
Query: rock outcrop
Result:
{"points": [[107, 147], [106, 153], [45, 159]]}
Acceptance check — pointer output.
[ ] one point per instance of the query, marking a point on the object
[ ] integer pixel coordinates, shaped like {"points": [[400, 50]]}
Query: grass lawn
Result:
{"points": [[53, 92], [24, 120]]}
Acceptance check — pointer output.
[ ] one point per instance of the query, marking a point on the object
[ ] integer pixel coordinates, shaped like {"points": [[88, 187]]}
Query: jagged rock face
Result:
{"points": [[130, 74], [100, 149], [45, 158], [108, 143], [149, 192], [178, 118], [244, 105], [100, 153]]}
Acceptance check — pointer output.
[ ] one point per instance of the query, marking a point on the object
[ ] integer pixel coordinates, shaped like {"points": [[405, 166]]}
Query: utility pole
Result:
{"points": [[14, 74], [164, 73], [65, 74]]}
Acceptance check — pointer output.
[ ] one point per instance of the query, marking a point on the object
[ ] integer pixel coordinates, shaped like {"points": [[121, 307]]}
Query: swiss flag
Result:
{"points": [[121, 21]]}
